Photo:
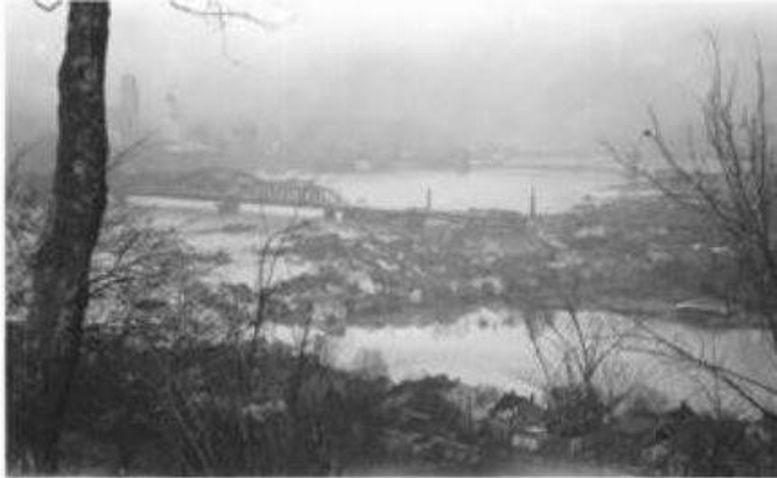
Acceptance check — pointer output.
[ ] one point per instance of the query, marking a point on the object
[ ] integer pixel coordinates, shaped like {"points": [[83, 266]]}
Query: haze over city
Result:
{"points": [[429, 77]]}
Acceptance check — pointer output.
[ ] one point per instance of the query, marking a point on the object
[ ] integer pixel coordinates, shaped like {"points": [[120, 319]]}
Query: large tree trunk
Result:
{"points": [[61, 270]]}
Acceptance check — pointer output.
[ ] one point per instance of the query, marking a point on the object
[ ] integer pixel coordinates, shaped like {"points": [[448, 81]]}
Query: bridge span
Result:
{"points": [[230, 188]]}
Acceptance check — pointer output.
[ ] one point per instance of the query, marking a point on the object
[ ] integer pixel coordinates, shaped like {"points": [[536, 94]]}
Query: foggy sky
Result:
{"points": [[540, 75]]}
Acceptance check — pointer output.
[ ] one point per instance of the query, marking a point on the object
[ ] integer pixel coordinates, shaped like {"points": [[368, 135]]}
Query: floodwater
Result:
{"points": [[486, 346], [492, 347], [492, 188]]}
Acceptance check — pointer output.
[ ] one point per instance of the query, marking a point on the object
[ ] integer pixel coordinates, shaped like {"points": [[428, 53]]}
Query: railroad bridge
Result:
{"points": [[230, 188]]}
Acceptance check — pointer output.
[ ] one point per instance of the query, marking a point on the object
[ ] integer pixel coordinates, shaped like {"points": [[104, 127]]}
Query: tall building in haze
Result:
{"points": [[129, 110]]}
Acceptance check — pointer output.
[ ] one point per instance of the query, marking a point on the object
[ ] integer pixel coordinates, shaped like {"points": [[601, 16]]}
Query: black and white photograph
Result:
{"points": [[390, 237]]}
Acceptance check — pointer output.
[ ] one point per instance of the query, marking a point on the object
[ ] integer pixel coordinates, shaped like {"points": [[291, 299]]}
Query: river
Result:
{"points": [[500, 188], [491, 347]]}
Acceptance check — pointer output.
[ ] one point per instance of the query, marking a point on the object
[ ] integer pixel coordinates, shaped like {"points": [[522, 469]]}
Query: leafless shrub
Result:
{"points": [[756, 392]]}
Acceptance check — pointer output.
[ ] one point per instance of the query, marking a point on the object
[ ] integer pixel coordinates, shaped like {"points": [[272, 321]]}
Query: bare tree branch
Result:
{"points": [[677, 353], [119, 158], [730, 180], [220, 13], [48, 7]]}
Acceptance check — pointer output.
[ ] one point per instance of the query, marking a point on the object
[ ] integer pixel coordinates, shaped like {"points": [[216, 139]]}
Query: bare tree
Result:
{"points": [[62, 263], [730, 179]]}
